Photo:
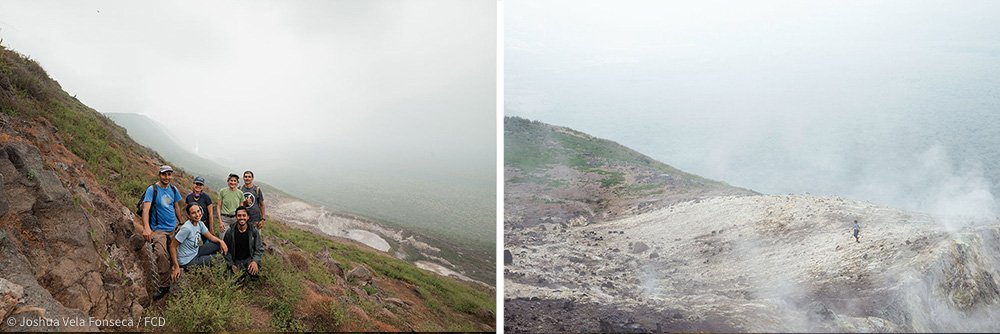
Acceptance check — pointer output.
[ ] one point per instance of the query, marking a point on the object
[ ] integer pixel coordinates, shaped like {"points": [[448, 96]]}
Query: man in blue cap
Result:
{"points": [[161, 209], [198, 196]]}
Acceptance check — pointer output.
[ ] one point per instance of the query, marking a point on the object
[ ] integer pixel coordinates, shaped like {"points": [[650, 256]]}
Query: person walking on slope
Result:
{"points": [[229, 199], [857, 229], [253, 200]]}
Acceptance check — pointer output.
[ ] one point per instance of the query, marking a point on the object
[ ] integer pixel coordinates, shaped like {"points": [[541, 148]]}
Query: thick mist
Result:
{"points": [[381, 108], [893, 102]]}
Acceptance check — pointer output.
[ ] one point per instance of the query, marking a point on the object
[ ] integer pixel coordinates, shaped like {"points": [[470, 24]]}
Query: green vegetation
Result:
{"points": [[435, 290], [212, 292], [532, 146], [611, 178], [282, 290], [85, 132], [209, 301]]}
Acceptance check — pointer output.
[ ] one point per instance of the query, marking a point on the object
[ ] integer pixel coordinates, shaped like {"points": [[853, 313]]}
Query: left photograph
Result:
{"points": [[248, 166]]}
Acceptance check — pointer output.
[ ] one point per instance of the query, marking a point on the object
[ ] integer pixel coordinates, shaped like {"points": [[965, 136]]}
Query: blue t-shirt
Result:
{"points": [[161, 213], [188, 235]]}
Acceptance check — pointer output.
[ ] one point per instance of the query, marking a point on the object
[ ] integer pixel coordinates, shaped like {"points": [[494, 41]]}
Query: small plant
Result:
{"points": [[93, 236], [370, 290], [337, 314], [210, 301], [283, 318]]}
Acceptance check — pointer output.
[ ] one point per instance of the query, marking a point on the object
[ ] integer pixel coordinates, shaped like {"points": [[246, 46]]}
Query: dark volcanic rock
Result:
{"points": [[58, 252]]}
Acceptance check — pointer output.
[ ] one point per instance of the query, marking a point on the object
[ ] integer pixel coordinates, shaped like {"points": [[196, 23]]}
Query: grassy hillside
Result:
{"points": [[120, 164], [532, 146], [299, 293], [557, 174], [305, 282]]}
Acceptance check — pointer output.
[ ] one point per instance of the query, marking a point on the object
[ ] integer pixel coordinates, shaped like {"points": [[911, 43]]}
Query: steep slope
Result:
{"points": [[68, 247], [754, 263], [556, 174]]}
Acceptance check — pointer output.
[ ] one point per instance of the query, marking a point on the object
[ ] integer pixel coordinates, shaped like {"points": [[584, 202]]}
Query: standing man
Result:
{"points": [[245, 245], [857, 229], [253, 200], [161, 210], [199, 197], [229, 199]]}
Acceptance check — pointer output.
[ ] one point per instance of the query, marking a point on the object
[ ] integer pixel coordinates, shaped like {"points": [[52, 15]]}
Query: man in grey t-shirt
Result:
{"points": [[253, 200]]}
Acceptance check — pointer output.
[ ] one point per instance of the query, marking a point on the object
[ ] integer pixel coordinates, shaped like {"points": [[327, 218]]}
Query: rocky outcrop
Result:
{"points": [[757, 263], [360, 275], [10, 295], [71, 261]]}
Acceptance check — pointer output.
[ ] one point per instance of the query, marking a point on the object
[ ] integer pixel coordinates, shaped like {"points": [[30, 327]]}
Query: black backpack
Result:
{"points": [[152, 211]]}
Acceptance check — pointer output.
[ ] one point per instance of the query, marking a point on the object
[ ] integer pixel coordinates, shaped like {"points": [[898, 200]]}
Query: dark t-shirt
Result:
{"points": [[203, 201], [256, 196], [241, 249]]}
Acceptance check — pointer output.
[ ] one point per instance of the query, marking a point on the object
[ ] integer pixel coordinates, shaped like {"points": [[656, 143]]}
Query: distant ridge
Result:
{"points": [[557, 174]]}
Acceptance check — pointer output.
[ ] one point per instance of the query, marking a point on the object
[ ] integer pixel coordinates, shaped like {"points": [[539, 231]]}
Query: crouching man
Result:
{"points": [[245, 245]]}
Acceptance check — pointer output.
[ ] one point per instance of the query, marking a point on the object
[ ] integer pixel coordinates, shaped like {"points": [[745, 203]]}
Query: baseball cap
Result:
{"points": [[199, 180], [165, 168]]}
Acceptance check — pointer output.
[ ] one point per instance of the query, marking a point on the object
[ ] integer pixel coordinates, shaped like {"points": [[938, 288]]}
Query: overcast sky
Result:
{"points": [[387, 78], [890, 101]]}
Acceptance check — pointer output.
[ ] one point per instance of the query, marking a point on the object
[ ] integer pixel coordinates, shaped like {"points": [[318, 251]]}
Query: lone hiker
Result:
{"points": [[245, 244], [159, 221], [198, 196], [857, 229], [253, 200], [184, 250], [229, 199]]}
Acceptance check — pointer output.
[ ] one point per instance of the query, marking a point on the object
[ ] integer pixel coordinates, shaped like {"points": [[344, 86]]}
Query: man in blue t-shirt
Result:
{"points": [[159, 218]]}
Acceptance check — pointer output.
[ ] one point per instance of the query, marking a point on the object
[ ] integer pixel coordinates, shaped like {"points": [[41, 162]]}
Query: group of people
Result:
{"points": [[230, 227]]}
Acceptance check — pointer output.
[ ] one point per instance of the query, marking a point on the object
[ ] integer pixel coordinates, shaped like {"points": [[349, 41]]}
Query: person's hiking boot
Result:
{"points": [[161, 292]]}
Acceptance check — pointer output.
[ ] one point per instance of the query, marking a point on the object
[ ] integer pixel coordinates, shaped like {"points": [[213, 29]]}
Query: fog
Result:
{"points": [[892, 102], [391, 104]]}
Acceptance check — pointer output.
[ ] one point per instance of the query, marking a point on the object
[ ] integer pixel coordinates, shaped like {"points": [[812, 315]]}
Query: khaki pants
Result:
{"points": [[227, 222], [161, 254]]}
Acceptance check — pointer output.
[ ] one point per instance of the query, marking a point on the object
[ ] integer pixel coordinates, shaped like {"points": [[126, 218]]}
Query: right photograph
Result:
{"points": [[767, 166]]}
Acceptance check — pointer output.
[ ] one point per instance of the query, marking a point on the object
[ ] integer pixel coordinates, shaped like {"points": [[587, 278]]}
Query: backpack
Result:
{"points": [[152, 211]]}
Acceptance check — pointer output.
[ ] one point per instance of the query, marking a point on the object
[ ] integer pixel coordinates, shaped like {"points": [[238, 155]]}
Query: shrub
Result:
{"points": [[209, 301]]}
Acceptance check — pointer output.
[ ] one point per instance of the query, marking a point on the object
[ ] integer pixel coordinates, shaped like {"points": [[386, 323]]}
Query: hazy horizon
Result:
{"points": [[388, 102], [892, 102]]}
